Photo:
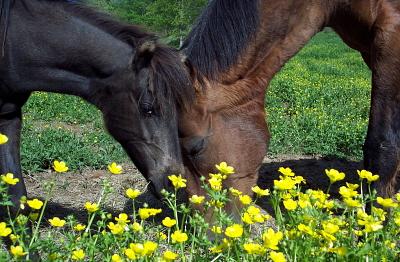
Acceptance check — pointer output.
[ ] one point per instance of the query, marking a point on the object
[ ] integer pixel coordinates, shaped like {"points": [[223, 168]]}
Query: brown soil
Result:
{"points": [[72, 189]]}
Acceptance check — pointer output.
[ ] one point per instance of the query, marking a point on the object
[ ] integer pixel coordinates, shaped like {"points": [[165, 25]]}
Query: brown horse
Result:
{"points": [[236, 48]]}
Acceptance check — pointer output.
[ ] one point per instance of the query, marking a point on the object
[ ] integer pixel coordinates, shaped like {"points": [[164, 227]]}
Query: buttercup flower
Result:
{"points": [[286, 183], [245, 199], [116, 258], [3, 139], [271, 239], [352, 202], [260, 192], [9, 179], [235, 192], [177, 181], [234, 231], [162, 236], [60, 166], [114, 168], [225, 169], [4, 230], [168, 222], [253, 248], [137, 227], [386, 202], [277, 256], [334, 175], [132, 193], [216, 229], [145, 213], [347, 192], [195, 199], [169, 255], [91, 207], [130, 253], [17, 251], [122, 219], [364, 174], [215, 184], [179, 236], [78, 254], [79, 227], [35, 204], [116, 229], [286, 171], [57, 222], [290, 204]]}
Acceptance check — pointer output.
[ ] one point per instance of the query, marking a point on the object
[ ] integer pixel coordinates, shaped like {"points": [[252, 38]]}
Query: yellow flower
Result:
{"points": [[177, 181], [277, 256], [216, 230], [78, 254], [215, 183], [286, 183], [91, 207], [17, 251], [247, 218], [225, 169], [179, 237], [290, 204], [352, 186], [162, 236], [364, 174], [271, 239], [132, 193], [57, 222], [149, 247], [79, 227], [260, 192], [122, 219], [130, 253], [169, 255], [330, 228], [168, 222], [116, 258], [305, 229], [137, 227], [3, 139], [234, 231], [35, 204], [145, 213], [116, 229], [14, 238], [341, 251], [334, 175], [347, 192], [60, 166], [386, 202], [4, 230], [235, 192], [114, 168], [352, 202], [253, 248], [195, 199], [245, 199], [9, 179], [286, 171], [369, 222]]}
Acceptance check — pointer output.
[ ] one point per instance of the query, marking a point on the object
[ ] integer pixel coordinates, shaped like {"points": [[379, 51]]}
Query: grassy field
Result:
{"points": [[318, 104]]}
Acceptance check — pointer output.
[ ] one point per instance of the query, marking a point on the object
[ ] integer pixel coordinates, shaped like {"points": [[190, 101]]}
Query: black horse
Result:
{"points": [[137, 83]]}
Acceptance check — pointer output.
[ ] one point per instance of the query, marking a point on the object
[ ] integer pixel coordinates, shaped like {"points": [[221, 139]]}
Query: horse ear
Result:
{"points": [[144, 53]]}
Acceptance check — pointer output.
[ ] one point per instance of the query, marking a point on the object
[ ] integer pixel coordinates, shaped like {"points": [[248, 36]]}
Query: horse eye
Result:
{"points": [[147, 109]]}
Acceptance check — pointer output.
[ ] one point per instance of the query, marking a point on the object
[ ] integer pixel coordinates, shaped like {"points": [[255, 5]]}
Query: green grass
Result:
{"points": [[318, 104]]}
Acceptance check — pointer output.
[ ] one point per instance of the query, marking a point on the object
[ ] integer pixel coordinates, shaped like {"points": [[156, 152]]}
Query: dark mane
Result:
{"points": [[4, 18], [220, 34], [169, 73]]}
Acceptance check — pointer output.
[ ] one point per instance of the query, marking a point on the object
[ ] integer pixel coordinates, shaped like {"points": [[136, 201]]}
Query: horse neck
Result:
{"points": [[283, 30]]}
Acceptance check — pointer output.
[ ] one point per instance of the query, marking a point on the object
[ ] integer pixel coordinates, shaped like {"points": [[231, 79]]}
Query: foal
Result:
{"points": [[235, 49]]}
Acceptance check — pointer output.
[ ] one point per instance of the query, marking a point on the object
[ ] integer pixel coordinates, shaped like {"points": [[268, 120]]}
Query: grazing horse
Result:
{"points": [[235, 49], [137, 83]]}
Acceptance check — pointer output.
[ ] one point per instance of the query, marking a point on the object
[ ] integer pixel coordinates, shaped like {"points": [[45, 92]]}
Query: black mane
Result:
{"points": [[169, 74], [220, 34]]}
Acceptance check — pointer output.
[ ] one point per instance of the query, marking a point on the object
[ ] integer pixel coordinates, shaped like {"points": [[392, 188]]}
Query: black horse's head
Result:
{"points": [[140, 110]]}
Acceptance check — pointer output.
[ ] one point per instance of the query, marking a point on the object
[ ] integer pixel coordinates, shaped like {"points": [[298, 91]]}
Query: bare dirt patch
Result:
{"points": [[73, 189]]}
